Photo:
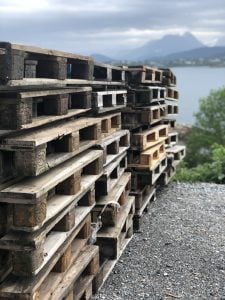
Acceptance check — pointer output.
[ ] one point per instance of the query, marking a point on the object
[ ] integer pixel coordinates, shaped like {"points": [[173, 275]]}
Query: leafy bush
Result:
{"points": [[209, 129], [213, 171]]}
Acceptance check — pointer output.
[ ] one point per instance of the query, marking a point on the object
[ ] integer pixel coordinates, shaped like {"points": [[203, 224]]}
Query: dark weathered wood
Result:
{"points": [[111, 239], [135, 118], [141, 178], [18, 62], [145, 96], [108, 206], [144, 75], [178, 152], [111, 175], [34, 195], [44, 148], [172, 109], [55, 285], [104, 72], [172, 139], [169, 77], [29, 259], [114, 145], [172, 94], [107, 265]]}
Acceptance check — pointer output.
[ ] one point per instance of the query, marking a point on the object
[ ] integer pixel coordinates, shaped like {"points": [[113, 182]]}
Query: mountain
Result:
{"points": [[221, 41], [102, 58], [166, 45], [203, 52]]}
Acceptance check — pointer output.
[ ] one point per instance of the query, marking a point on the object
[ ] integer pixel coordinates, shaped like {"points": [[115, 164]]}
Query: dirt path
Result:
{"points": [[180, 253]]}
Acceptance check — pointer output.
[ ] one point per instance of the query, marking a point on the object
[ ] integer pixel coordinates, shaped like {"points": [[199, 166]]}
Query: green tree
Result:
{"points": [[209, 128]]}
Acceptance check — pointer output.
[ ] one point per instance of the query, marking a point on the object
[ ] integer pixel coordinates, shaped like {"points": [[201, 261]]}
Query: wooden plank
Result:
{"points": [[146, 95], [34, 49], [110, 239], [33, 287], [43, 83], [104, 101], [33, 188], [111, 175], [28, 109], [110, 124], [71, 276], [144, 75], [42, 149], [143, 116], [107, 266], [148, 138], [172, 139], [147, 159], [141, 178], [114, 145], [108, 207], [179, 152]]}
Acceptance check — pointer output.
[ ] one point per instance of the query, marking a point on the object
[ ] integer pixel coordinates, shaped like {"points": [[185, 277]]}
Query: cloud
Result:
{"points": [[103, 26]]}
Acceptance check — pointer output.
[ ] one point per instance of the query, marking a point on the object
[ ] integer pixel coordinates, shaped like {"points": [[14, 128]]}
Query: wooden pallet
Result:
{"points": [[172, 139], [148, 159], [144, 75], [179, 152], [32, 250], [169, 78], [141, 178], [111, 175], [145, 96], [111, 238], [110, 124], [69, 275], [19, 61], [167, 175], [104, 72], [107, 265], [105, 101], [56, 188], [142, 200], [148, 138], [172, 94], [170, 122], [114, 145], [134, 118], [29, 109], [172, 109], [108, 207], [5, 256], [39, 150], [5, 264]]}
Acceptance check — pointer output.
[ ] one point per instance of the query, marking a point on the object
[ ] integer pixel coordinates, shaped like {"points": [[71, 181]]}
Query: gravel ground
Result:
{"points": [[180, 251]]}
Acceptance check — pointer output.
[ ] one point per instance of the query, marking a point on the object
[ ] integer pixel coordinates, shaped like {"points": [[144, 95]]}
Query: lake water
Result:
{"points": [[194, 83]]}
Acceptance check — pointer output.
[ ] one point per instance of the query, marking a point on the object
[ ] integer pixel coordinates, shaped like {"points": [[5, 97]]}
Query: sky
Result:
{"points": [[108, 27]]}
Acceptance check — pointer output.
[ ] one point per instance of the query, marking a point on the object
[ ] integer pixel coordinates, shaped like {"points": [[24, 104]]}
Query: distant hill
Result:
{"points": [[221, 41], [102, 58], [166, 45], [203, 52]]}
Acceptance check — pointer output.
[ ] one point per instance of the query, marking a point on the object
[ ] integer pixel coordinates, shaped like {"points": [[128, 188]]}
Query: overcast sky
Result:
{"points": [[90, 26]]}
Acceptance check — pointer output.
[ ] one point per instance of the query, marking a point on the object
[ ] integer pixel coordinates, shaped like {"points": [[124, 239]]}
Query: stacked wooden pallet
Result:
{"points": [[152, 99], [74, 173], [49, 169], [114, 209]]}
